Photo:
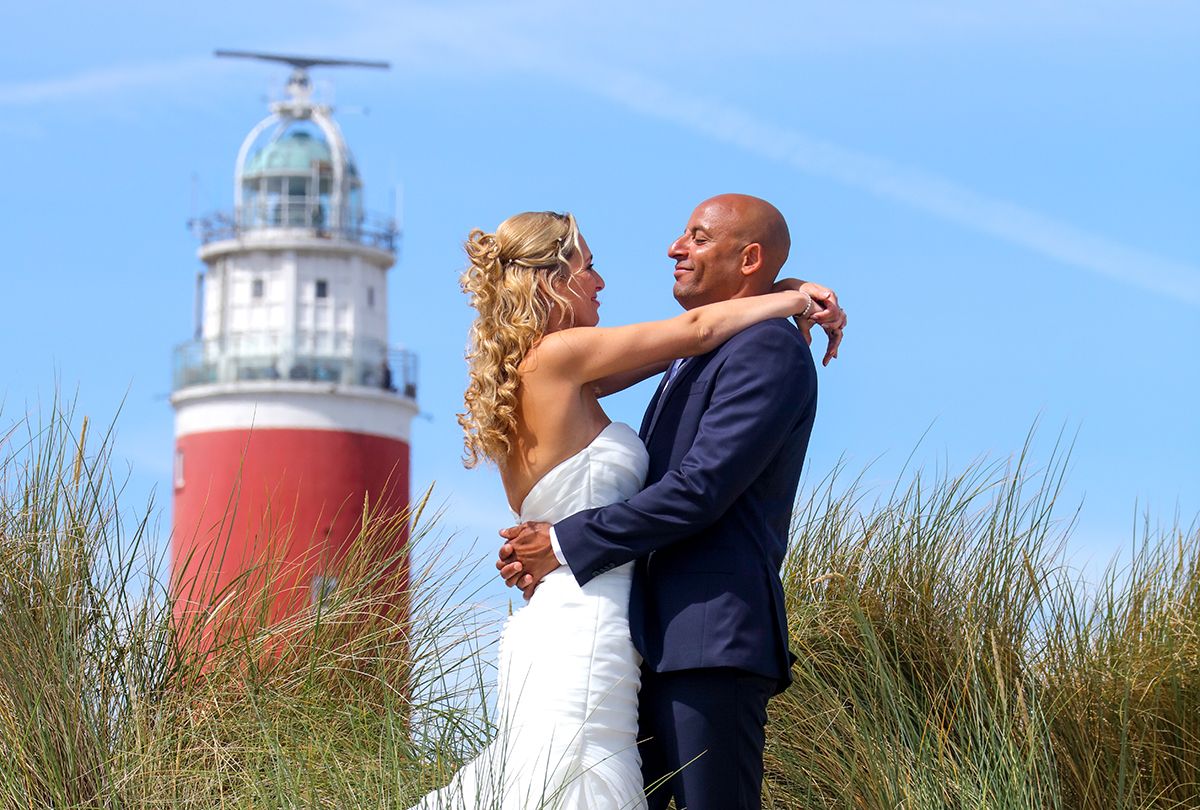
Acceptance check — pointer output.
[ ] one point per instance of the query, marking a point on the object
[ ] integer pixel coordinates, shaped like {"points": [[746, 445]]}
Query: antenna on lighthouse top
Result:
{"points": [[299, 85], [303, 62], [296, 180]]}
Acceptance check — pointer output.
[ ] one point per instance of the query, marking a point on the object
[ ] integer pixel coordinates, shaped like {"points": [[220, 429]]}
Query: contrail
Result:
{"points": [[104, 81], [728, 124], [911, 187]]}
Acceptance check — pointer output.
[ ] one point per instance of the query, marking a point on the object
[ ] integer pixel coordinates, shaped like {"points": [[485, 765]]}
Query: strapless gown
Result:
{"points": [[568, 672]]}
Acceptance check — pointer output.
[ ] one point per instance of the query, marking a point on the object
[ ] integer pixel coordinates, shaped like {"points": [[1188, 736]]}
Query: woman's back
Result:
{"points": [[556, 418]]}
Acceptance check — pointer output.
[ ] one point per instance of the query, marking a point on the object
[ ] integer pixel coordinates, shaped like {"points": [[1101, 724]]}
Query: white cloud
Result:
{"points": [[909, 186], [100, 83], [687, 30], [488, 37], [527, 38]]}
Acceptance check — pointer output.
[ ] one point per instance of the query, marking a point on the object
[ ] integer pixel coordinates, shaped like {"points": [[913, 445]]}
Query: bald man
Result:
{"points": [[726, 433]]}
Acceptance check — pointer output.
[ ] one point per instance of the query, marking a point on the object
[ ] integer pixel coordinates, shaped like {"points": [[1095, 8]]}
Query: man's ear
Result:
{"points": [[752, 259]]}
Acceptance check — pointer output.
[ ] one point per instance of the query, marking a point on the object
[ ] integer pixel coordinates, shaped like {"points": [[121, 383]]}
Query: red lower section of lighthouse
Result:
{"points": [[286, 502]]}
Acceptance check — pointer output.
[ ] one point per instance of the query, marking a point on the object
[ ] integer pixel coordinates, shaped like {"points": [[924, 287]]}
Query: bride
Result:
{"points": [[568, 670]]}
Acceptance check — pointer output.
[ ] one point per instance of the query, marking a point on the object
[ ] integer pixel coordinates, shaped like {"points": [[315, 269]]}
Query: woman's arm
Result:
{"points": [[626, 379], [827, 314], [588, 354]]}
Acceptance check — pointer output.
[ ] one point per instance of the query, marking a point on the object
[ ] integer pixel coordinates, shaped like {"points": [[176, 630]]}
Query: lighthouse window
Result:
{"points": [[371, 297], [322, 288], [256, 288]]}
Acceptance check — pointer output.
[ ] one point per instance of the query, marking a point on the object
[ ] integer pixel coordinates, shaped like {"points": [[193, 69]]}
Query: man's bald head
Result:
{"points": [[734, 245], [759, 222]]}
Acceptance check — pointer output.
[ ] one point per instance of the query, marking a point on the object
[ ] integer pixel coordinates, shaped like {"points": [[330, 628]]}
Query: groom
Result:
{"points": [[726, 434]]}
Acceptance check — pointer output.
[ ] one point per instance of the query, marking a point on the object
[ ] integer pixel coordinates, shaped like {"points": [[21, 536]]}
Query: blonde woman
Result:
{"points": [[569, 670]]}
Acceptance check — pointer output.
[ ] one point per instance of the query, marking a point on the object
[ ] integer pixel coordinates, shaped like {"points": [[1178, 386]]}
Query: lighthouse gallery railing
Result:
{"points": [[298, 214], [262, 357]]}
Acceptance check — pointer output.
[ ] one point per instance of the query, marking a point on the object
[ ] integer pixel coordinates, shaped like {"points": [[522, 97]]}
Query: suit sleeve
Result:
{"points": [[759, 393]]}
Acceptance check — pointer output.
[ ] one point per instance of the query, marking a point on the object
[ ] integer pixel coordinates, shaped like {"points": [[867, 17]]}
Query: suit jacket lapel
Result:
{"points": [[682, 377], [652, 410]]}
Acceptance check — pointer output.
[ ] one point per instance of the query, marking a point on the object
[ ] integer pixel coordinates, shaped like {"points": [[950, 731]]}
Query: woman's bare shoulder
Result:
{"points": [[560, 347]]}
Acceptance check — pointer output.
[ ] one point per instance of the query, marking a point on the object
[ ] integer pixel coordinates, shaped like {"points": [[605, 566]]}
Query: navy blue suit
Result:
{"points": [[727, 441]]}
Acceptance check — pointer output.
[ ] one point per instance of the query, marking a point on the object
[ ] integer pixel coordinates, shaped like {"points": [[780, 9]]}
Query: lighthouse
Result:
{"points": [[292, 411]]}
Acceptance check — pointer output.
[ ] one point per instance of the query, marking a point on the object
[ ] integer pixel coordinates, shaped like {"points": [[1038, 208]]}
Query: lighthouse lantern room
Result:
{"points": [[291, 408]]}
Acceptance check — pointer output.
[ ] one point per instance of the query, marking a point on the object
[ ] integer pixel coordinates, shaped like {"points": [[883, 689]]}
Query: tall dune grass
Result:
{"points": [[103, 705], [948, 656]]}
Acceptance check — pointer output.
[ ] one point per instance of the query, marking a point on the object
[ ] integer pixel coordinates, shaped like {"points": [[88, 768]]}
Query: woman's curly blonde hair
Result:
{"points": [[511, 281]]}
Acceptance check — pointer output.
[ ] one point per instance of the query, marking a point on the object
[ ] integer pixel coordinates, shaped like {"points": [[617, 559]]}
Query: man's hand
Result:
{"points": [[826, 313], [527, 556]]}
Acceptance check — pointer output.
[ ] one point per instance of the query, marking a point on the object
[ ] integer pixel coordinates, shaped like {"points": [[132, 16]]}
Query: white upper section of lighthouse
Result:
{"points": [[299, 178], [295, 286], [295, 176]]}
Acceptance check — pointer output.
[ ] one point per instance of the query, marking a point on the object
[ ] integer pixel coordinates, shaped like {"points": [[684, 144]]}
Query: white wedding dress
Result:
{"points": [[568, 674]]}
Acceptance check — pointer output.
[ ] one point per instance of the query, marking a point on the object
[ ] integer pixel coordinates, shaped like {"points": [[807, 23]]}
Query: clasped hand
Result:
{"points": [[826, 313], [527, 556]]}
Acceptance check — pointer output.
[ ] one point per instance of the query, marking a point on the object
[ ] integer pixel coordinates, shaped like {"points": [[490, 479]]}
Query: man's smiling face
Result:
{"points": [[708, 255]]}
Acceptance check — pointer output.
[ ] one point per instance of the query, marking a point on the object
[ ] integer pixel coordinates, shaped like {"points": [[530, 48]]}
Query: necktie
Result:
{"points": [[673, 371]]}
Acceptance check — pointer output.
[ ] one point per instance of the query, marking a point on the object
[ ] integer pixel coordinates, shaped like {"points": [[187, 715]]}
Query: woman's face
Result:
{"points": [[583, 290]]}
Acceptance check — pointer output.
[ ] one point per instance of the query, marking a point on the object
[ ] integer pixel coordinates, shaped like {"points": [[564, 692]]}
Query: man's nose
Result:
{"points": [[676, 251]]}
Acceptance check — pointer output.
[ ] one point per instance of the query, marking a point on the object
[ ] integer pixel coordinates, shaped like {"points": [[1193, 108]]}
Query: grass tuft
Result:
{"points": [[948, 655]]}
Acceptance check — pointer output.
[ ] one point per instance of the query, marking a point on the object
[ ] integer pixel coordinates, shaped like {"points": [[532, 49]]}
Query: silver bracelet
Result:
{"points": [[807, 309]]}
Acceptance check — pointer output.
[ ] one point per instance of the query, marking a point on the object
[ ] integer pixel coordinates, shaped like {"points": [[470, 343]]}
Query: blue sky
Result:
{"points": [[1005, 195]]}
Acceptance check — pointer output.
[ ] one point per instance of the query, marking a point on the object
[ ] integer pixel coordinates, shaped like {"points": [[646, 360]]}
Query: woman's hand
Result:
{"points": [[826, 313]]}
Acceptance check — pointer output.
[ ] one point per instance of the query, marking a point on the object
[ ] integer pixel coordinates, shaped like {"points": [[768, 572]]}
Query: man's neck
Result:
{"points": [[743, 292]]}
